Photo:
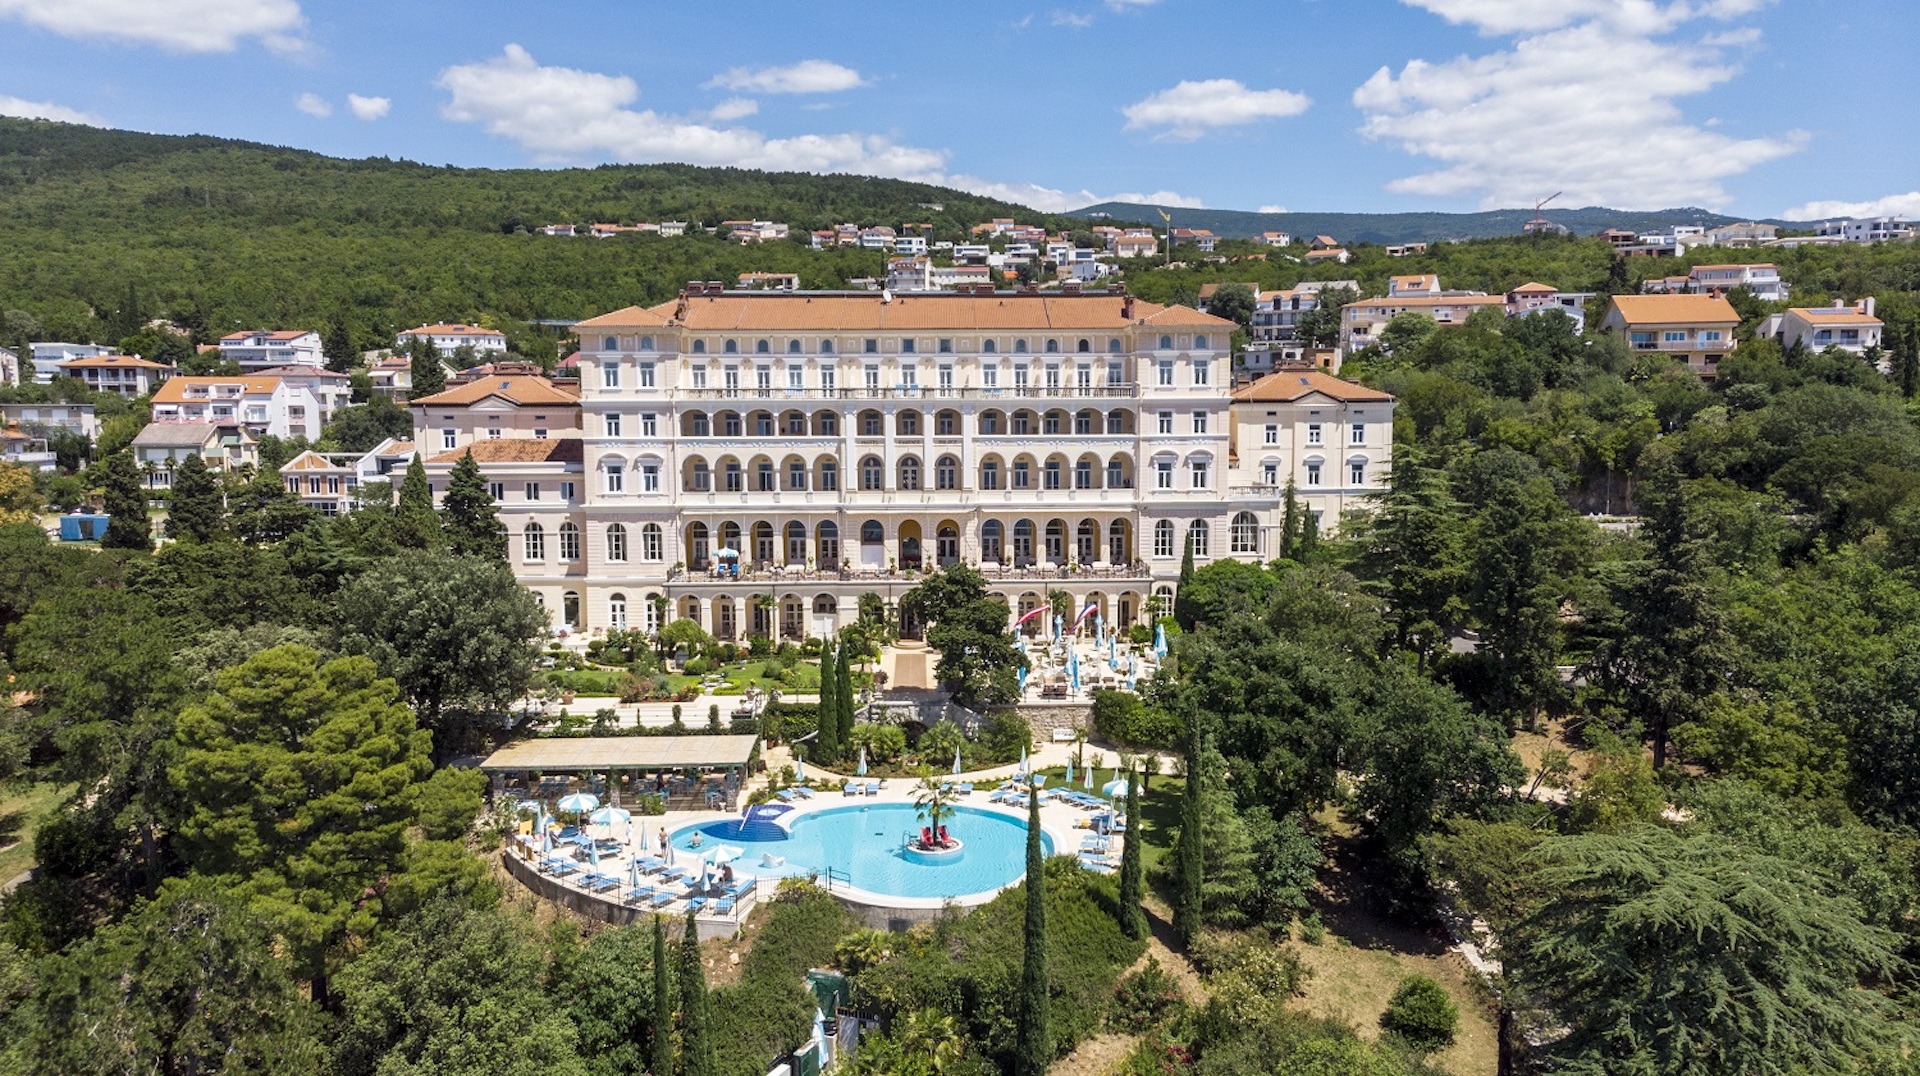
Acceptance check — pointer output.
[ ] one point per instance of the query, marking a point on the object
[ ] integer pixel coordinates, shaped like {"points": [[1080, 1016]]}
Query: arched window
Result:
{"points": [[946, 473], [609, 344], [731, 347], [990, 474], [761, 347], [1113, 346], [1197, 537], [990, 423], [535, 538], [1166, 343], [699, 426], [617, 542], [1244, 533], [1019, 347], [1083, 474], [1053, 347], [990, 347], [1084, 346], [872, 533], [646, 343], [570, 609], [651, 546], [873, 474], [1200, 343], [991, 536], [829, 475], [569, 544], [617, 612], [1163, 538], [699, 347], [826, 347], [909, 472]]}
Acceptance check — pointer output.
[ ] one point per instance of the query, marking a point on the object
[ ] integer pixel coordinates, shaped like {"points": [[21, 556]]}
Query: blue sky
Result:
{"points": [[1751, 107]]}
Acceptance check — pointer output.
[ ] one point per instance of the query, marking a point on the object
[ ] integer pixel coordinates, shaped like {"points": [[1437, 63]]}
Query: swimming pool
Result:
{"points": [[864, 844]]}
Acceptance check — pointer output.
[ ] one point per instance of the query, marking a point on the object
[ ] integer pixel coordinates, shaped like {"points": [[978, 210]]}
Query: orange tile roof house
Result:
{"points": [[1850, 328], [282, 407], [1361, 322], [1696, 329], [255, 349], [494, 409]]}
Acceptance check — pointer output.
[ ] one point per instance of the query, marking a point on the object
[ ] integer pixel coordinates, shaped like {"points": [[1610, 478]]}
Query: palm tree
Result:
{"points": [[934, 800], [934, 1037]]}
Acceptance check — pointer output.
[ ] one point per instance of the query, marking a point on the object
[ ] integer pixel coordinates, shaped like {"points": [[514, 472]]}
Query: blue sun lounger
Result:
{"points": [[600, 883], [674, 874], [853, 788], [696, 904], [723, 906], [559, 865], [661, 898], [639, 896]]}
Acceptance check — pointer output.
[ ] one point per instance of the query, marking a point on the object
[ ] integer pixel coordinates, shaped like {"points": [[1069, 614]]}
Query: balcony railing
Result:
{"points": [[719, 573], [902, 392]]}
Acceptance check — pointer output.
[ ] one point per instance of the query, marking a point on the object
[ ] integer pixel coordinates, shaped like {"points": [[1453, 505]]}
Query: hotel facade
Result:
{"points": [[761, 462]]}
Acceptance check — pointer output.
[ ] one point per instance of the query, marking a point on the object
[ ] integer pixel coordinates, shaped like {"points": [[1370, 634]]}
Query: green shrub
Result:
{"points": [[697, 667], [759, 646], [1421, 1014], [1121, 717], [1144, 998], [1005, 735]]}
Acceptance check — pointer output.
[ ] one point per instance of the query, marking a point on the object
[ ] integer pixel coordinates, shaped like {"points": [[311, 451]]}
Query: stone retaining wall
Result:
{"points": [[1047, 716], [594, 907]]}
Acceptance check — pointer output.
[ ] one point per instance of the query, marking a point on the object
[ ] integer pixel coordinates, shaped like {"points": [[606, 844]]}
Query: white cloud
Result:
{"points": [[1893, 205], [1588, 108], [1273, 209], [174, 25], [807, 76], [313, 105], [1079, 20], [1190, 109], [736, 108], [20, 108], [368, 108], [1130, 5], [560, 114]]}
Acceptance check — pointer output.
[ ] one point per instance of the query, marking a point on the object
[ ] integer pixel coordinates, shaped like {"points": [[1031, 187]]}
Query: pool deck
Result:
{"points": [[1063, 823]]}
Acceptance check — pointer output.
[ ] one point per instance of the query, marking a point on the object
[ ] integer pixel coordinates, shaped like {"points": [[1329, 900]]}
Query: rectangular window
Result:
{"points": [[449, 438], [1163, 474], [796, 379], [569, 543], [539, 433], [613, 423], [1166, 422], [1199, 422], [1313, 474], [699, 377], [1166, 373], [1163, 541], [1053, 378], [826, 379], [1313, 433], [873, 346], [946, 345], [1116, 374], [616, 478], [763, 378], [493, 433], [909, 376], [907, 347], [730, 379], [990, 377], [566, 491], [646, 375], [1202, 372], [1083, 376], [1672, 336], [497, 490], [1356, 474], [1270, 474], [946, 377], [1020, 378], [1711, 336], [1272, 433], [873, 378], [1200, 474], [533, 491], [649, 424], [649, 478], [610, 374]]}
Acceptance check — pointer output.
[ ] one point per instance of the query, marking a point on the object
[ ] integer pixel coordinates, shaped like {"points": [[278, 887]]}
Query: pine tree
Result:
{"points": [[472, 520], [827, 743], [195, 511], [1189, 867], [338, 348], [1133, 919], [1033, 1042], [419, 523], [126, 505], [662, 1031], [429, 374], [696, 1014]]}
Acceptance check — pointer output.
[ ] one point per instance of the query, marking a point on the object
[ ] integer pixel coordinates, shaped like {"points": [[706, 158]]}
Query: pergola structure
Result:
{"points": [[611, 755]]}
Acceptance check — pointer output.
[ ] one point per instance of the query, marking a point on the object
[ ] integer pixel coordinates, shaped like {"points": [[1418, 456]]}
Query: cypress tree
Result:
{"points": [[1289, 521], [1133, 919], [1189, 869], [843, 696], [1183, 613], [1033, 1037], [428, 373], [472, 521], [662, 1061], [696, 1016], [827, 743], [338, 348], [126, 505], [195, 511], [419, 523]]}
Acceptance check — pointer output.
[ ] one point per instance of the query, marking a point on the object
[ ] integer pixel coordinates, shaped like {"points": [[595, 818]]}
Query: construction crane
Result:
{"points": [[1540, 223]]}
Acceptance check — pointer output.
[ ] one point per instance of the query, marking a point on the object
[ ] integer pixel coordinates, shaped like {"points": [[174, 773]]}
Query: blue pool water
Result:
{"points": [[865, 844]]}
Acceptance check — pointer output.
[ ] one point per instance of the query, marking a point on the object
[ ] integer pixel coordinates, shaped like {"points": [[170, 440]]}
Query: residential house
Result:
{"points": [[877, 238], [769, 281], [1276, 239], [1405, 250], [1761, 280], [49, 354], [44, 419], [1852, 328], [391, 375], [1324, 242], [608, 231], [24, 449], [1361, 322], [447, 339], [557, 229], [910, 244], [1205, 298], [1337, 255], [501, 408], [1135, 246], [9, 367], [1200, 238], [1331, 438], [265, 406], [1695, 329], [1741, 235], [162, 446], [334, 391], [327, 482], [1534, 297], [256, 349], [1422, 284], [1868, 230], [672, 228], [127, 375], [1620, 237]]}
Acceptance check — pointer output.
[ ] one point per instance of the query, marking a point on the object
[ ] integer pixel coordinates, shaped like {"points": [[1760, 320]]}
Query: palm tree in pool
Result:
{"points": [[934, 800]]}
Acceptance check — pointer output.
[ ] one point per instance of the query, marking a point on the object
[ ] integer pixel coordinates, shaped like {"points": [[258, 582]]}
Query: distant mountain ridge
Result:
{"points": [[1406, 227]]}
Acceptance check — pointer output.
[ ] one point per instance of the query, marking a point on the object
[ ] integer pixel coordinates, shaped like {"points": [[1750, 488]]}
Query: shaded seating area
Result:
{"points": [[685, 771]]}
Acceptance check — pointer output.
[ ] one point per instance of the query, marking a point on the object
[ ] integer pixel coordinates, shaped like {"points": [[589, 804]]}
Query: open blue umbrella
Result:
{"points": [[1115, 788], [578, 803]]}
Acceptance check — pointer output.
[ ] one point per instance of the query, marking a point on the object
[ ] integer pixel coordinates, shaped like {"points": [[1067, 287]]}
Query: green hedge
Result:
{"points": [[1121, 717], [770, 1010]]}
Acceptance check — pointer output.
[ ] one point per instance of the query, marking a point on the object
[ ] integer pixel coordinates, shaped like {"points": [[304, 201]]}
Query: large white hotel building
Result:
{"points": [[727, 448]]}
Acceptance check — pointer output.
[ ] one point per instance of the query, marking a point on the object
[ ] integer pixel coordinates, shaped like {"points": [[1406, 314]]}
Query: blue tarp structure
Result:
{"points": [[81, 527]]}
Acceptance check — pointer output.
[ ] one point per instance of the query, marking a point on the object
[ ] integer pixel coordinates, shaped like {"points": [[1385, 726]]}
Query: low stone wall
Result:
{"points": [[1047, 716], [594, 907]]}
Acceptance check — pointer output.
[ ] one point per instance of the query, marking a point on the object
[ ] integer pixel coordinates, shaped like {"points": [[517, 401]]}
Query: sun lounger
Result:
{"points": [[649, 864], [741, 887], [661, 898], [873, 787], [696, 904], [786, 795], [600, 883], [801, 792], [674, 874], [723, 906], [853, 788], [558, 865], [966, 788]]}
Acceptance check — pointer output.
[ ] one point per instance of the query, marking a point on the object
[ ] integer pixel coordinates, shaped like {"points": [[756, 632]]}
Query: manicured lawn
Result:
{"points": [[22, 807], [1159, 808]]}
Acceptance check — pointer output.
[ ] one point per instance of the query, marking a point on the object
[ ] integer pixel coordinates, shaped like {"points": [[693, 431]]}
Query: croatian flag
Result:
{"points": [[1029, 615], [1091, 609]]}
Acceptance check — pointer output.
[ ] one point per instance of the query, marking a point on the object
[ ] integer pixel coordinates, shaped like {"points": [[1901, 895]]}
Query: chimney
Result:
{"points": [[1867, 305], [1126, 306]]}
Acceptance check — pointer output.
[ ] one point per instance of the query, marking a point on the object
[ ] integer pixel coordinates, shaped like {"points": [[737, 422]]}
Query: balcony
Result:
{"points": [[917, 392], [709, 574]]}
